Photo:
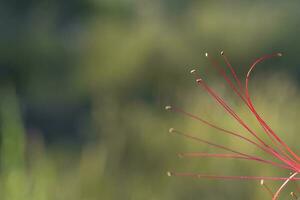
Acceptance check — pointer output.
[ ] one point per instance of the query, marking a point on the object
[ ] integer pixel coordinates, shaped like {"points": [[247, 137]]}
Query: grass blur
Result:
{"points": [[83, 86]]}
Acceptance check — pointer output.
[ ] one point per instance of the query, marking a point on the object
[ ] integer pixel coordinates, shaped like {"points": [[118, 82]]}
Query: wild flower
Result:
{"points": [[285, 158]]}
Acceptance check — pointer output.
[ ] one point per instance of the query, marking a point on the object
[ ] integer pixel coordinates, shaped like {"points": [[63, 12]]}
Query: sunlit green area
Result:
{"points": [[84, 84]]}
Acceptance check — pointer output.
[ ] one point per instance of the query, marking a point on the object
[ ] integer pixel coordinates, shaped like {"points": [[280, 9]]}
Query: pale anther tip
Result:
{"points": [[222, 53], [294, 195], [169, 173], [198, 80], [171, 130], [192, 71], [206, 54], [168, 107], [279, 54], [262, 181]]}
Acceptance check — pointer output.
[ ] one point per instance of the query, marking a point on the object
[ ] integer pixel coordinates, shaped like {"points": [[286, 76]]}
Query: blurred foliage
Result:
{"points": [[83, 85]]}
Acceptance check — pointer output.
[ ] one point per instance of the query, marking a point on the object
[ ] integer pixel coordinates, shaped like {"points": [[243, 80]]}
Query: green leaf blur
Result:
{"points": [[83, 85]]}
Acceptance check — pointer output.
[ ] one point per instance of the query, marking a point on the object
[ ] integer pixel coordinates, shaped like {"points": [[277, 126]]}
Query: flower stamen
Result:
{"points": [[266, 187], [293, 194]]}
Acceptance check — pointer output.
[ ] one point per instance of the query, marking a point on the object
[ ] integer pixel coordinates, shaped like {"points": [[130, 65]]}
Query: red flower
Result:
{"points": [[276, 148]]}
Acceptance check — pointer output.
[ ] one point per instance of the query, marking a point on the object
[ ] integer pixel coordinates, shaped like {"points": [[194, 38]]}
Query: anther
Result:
{"points": [[171, 130], [222, 53], [279, 54], [199, 80], [206, 54], [294, 195], [168, 107], [192, 71], [169, 174], [262, 182]]}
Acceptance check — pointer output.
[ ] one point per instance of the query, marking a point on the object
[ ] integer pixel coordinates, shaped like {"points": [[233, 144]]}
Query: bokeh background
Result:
{"points": [[83, 85]]}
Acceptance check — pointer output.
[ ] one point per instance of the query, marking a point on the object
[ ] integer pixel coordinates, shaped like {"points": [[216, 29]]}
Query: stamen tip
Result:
{"points": [[169, 174], [294, 195], [168, 107], [222, 53], [206, 54], [262, 182], [192, 71], [199, 80], [171, 130], [279, 54]]}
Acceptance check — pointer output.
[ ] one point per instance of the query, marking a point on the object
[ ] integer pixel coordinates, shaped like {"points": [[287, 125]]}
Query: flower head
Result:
{"points": [[274, 147]]}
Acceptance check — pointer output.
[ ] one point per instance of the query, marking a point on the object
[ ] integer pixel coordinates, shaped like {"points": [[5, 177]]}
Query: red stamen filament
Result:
{"points": [[215, 64], [233, 114], [232, 71], [234, 156], [263, 123], [246, 102], [196, 175], [229, 149], [178, 110], [223, 73]]}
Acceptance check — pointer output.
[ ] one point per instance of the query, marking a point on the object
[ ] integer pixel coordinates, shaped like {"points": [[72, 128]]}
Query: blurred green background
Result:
{"points": [[83, 85]]}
